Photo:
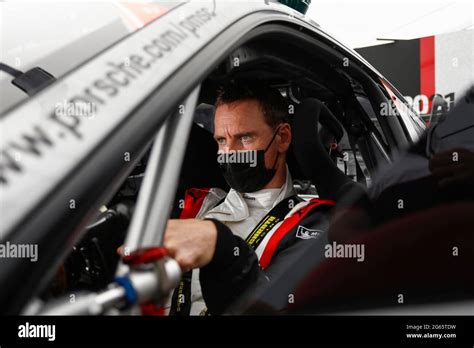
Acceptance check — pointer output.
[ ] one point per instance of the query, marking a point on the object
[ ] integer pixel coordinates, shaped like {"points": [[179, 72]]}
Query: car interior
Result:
{"points": [[333, 150], [338, 143]]}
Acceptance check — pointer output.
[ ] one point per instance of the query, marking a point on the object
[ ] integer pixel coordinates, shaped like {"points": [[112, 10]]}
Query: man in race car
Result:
{"points": [[246, 236]]}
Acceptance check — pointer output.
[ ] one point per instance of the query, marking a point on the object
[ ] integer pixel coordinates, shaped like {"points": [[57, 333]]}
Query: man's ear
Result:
{"points": [[284, 137]]}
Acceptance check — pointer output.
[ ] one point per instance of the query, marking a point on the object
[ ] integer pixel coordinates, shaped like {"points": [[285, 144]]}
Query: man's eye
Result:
{"points": [[221, 141], [245, 137]]}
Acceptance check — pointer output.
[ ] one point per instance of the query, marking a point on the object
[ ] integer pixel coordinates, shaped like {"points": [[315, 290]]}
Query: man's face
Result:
{"points": [[241, 126]]}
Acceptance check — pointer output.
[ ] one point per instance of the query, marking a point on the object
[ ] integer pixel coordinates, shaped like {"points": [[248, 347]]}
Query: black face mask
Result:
{"points": [[242, 177]]}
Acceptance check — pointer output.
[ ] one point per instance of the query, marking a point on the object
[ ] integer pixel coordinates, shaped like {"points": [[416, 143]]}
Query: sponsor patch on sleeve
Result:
{"points": [[306, 233]]}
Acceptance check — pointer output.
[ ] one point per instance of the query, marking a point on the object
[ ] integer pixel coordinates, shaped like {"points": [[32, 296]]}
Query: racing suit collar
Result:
{"points": [[236, 208]]}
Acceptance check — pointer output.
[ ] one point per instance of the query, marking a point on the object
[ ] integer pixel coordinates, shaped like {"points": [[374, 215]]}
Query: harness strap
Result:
{"points": [[286, 226]]}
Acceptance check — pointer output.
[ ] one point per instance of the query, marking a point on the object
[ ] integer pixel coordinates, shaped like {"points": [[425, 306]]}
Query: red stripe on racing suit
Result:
{"points": [[286, 226]]}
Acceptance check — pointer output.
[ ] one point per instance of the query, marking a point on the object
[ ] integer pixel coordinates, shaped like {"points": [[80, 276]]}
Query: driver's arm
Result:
{"points": [[235, 276]]}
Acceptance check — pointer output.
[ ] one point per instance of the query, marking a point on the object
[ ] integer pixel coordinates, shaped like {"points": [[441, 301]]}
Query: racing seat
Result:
{"points": [[309, 157]]}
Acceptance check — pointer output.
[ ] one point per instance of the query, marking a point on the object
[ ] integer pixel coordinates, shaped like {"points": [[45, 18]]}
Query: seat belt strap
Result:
{"points": [[273, 217], [352, 133], [288, 225], [359, 173]]}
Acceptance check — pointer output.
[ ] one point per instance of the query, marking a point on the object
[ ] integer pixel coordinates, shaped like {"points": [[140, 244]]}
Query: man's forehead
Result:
{"points": [[235, 127], [239, 114], [234, 130], [237, 111]]}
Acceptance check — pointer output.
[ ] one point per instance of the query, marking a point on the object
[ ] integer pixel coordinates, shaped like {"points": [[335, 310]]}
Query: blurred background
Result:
{"points": [[425, 48]]}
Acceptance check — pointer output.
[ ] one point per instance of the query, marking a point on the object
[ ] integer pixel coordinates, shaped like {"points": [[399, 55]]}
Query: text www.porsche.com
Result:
{"points": [[120, 75], [116, 77]]}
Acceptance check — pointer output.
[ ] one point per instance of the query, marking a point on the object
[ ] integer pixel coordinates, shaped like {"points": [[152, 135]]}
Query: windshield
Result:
{"points": [[58, 36]]}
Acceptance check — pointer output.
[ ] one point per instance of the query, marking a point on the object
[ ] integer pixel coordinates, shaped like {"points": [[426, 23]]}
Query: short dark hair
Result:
{"points": [[274, 106]]}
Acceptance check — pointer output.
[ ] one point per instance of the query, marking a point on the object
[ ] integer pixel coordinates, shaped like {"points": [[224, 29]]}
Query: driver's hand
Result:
{"points": [[453, 168], [191, 242]]}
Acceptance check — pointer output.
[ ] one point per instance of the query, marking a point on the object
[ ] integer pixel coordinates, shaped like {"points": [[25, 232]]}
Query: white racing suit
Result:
{"points": [[236, 216]]}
